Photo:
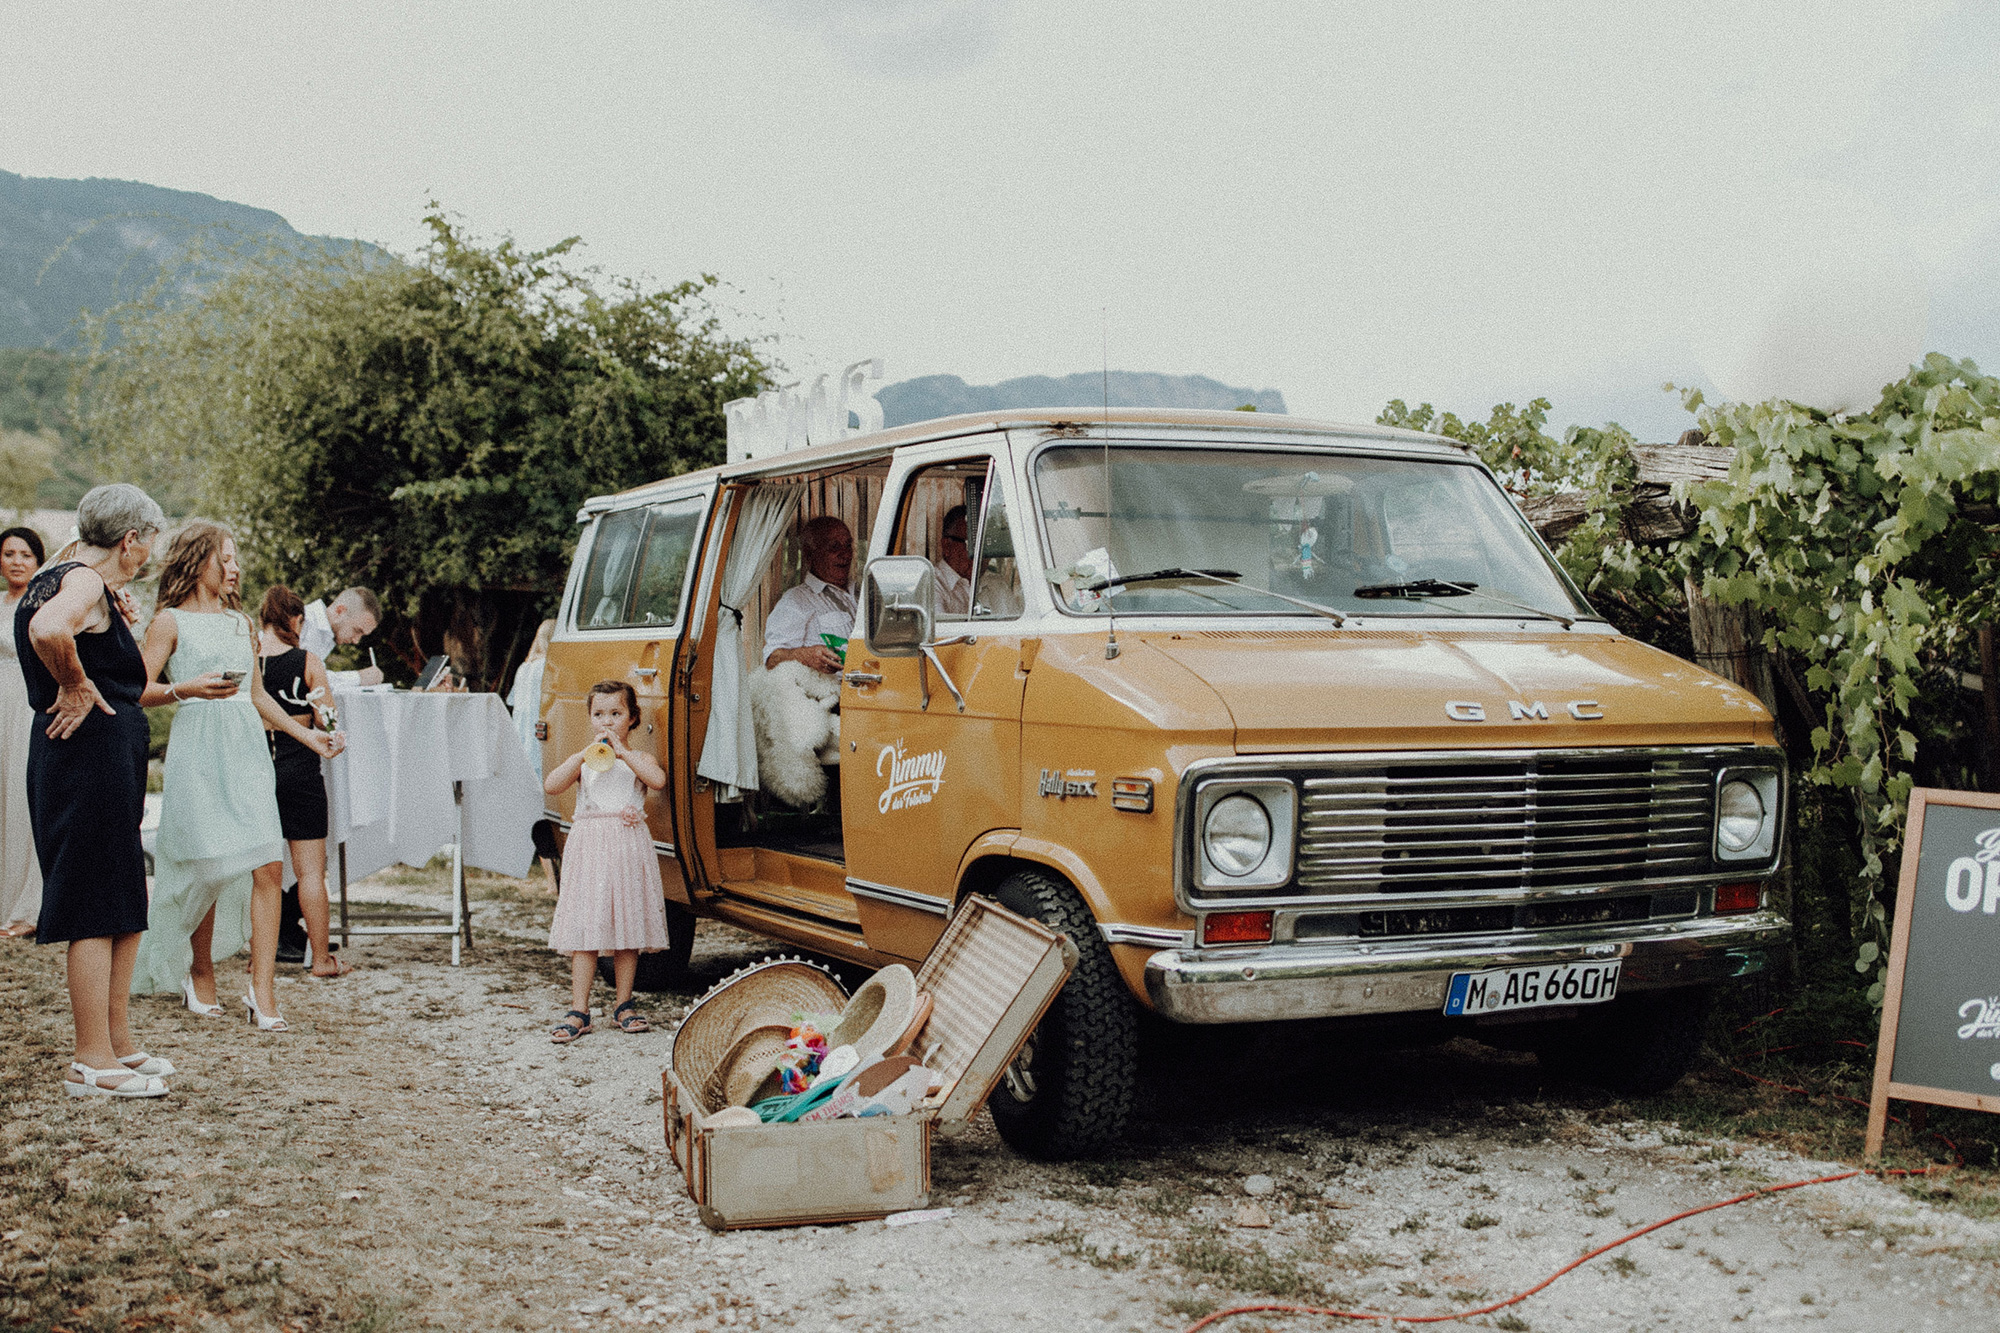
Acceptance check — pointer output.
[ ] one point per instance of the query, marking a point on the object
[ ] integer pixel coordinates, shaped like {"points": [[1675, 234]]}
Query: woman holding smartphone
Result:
{"points": [[220, 837]]}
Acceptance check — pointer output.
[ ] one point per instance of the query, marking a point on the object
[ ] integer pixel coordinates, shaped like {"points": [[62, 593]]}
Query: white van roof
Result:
{"points": [[1077, 422]]}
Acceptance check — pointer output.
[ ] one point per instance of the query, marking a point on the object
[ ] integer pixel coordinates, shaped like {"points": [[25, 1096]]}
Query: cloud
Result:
{"points": [[911, 38]]}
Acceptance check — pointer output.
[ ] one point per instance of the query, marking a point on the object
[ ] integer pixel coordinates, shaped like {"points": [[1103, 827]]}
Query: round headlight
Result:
{"points": [[1237, 834], [1739, 816]]}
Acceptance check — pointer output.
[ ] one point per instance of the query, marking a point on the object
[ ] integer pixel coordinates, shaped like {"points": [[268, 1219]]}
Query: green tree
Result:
{"points": [[427, 427], [26, 461], [1866, 542]]}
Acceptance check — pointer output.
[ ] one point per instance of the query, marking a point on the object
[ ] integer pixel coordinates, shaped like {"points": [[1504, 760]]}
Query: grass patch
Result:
{"points": [[1074, 1242], [1254, 1270], [1479, 1221]]}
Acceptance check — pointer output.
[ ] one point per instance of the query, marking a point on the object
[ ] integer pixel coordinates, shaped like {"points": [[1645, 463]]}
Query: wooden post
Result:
{"points": [[1729, 640]]}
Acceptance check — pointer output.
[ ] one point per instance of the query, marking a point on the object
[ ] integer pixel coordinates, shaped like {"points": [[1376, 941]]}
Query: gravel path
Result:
{"points": [[415, 1154]]}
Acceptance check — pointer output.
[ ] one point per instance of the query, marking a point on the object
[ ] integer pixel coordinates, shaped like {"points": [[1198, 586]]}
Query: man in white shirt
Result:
{"points": [[953, 568], [352, 618], [820, 605]]}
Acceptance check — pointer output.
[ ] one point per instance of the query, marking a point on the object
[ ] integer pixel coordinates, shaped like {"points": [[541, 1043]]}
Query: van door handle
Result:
{"points": [[862, 678], [647, 672]]}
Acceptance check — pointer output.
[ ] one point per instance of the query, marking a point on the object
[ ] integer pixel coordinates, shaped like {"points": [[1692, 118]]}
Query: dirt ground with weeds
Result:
{"points": [[414, 1154]]}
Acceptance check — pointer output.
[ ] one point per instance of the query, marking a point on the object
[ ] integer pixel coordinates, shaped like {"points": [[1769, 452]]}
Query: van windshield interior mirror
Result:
{"points": [[899, 605]]}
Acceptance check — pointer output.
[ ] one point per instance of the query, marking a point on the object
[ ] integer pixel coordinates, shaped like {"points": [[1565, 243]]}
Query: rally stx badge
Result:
{"points": [[1063, 783]]}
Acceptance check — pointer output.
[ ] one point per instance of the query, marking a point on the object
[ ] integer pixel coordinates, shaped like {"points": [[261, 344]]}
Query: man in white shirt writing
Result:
{"points": [[820, 605], [352, 618]]}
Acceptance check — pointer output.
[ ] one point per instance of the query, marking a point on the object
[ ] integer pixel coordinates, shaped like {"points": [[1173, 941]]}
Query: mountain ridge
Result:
{"points": [[930, 396], [67, 246]]}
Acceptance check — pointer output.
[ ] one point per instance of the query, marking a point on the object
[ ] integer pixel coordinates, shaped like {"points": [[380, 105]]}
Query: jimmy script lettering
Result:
{"points": [[913, 778], [1985, 1016]]}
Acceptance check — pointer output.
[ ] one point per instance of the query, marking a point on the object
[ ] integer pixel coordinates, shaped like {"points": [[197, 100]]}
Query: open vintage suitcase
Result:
{"points": [[991, 977]]}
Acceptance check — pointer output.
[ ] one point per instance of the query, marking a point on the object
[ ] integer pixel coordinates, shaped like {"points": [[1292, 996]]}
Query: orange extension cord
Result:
{"points": [[1581, 1260]]}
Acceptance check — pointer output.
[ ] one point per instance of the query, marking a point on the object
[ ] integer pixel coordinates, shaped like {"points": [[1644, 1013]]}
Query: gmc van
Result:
{"points": [[1275, 719]]}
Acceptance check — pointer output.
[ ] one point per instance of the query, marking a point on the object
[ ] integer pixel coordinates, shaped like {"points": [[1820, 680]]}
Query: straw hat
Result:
{"points": [[879, 1014], [772, 991], [748, 1066]]}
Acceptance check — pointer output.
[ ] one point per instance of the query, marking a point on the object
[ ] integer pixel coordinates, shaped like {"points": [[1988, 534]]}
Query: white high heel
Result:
{"points": [[152, 1066], [193, 1002], [133, 1084], [265, 1022]]}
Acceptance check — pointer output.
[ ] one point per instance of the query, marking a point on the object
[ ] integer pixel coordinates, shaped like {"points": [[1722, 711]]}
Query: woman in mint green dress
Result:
{"points": [[220, 842]]}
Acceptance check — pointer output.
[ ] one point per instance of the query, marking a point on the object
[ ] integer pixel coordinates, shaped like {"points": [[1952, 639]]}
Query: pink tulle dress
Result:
{"points": [[611, 897]]}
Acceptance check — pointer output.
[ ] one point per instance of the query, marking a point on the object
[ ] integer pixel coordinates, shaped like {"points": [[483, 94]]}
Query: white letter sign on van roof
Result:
{"points": [[778, 421]]}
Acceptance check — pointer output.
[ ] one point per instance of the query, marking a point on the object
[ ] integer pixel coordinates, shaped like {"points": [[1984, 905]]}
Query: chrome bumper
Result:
{"points": [[1315, 979]]}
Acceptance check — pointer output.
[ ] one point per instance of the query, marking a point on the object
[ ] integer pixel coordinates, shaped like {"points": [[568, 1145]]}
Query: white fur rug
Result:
{"points": [[792, 706]]}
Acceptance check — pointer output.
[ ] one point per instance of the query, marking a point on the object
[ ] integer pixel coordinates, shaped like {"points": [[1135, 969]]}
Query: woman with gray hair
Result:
{"points": [[87, 778]]}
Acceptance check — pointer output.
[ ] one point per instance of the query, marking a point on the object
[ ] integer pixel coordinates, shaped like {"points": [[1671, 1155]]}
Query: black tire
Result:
{"points": [[1071, 1092], [1639, 1044], [667, 970]]}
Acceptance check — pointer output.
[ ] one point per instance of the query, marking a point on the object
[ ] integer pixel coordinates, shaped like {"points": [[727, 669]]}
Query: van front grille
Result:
{"points": [[1534, 822]]}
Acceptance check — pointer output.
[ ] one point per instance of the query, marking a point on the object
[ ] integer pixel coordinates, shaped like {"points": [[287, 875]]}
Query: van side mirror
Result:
{"points": [[898, 605]]}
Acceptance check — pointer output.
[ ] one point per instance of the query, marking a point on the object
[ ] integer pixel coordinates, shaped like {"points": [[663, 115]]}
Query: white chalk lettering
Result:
{"points": [[913, 778], [1961, 884], [1985, 1016]]}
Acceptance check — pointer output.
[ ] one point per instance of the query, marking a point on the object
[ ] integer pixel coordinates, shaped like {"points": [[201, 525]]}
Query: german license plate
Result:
{"points": [[1499, 989]]}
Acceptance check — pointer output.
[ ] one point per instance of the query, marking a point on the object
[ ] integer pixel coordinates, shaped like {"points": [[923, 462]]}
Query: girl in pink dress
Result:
{"points": [[612, 900]]}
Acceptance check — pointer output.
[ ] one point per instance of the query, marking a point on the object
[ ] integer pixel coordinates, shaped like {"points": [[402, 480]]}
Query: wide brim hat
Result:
{"points": [[878, 1015], [763, 991], [750, 1063]]}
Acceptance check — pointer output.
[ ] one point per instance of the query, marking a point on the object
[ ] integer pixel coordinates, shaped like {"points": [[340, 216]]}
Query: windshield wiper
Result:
{"points": [[1424, 589], [1161, 576], [1416, 588], [1228, 578]]}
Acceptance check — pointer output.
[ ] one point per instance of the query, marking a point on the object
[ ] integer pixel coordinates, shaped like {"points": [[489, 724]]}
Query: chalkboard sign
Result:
{"points": [[1940, 1040]]}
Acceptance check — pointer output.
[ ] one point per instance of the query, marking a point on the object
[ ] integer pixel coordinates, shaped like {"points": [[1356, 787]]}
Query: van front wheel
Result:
{"points": [[1071, 1090], [1640, 1044]]}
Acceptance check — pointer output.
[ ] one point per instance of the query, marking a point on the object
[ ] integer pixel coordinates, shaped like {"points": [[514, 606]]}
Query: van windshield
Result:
{"points": [[1359, 536]]}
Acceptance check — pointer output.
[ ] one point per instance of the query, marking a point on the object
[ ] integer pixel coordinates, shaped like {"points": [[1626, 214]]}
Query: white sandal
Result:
{"points": [[130, 1085], [193, 1002], [265, 1022], [150, 1065]]}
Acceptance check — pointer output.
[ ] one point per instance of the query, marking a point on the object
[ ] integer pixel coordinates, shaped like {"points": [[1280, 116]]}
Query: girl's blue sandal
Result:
{"points": [[632, 1021], [567, 1031]]}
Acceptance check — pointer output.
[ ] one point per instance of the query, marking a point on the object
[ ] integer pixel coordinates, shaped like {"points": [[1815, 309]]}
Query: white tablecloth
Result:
{"points": [[390, 789]]}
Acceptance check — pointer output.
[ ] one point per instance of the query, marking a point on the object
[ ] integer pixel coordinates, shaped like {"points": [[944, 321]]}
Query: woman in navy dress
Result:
{"points": [[87, 778]]}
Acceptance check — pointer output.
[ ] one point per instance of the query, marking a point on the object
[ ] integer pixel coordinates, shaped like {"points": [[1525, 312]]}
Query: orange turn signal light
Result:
{"points": [[1746, 897], [1134, 794], [1236, 928]]}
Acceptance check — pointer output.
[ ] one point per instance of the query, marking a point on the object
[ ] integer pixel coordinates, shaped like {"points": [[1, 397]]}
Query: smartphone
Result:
{"points": [[234, 677]]}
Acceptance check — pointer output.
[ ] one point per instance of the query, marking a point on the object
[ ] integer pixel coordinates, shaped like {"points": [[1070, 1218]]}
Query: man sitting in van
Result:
{"points": [[953, 571], [820, 605]]}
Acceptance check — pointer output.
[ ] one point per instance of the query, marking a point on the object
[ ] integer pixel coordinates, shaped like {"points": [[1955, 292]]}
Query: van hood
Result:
{"points": [[1294, 691]]}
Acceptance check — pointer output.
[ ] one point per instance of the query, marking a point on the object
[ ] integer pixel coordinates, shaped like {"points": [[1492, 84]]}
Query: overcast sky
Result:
{"points": [[1348, 202]]}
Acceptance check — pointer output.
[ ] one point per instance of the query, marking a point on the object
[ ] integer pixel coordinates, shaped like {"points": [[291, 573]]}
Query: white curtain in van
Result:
{"points": [[729, 751]]}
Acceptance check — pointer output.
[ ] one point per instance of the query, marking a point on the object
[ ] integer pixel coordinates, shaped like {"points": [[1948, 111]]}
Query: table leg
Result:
{"points": [[460, 927], [341, 848]]}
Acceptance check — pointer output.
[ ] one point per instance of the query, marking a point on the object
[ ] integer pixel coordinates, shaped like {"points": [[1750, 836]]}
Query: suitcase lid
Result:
{"points": [[991, 977]]}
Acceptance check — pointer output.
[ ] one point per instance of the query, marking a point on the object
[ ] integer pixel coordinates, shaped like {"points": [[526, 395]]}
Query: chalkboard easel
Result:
{"points": [[1940, 1037]]}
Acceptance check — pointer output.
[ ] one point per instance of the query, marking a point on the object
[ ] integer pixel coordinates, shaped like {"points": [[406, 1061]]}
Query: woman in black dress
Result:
{"points": [[87, 776], [297, 680]]}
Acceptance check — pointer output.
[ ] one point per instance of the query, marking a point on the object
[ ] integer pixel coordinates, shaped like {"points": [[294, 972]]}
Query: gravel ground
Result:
{"points": [[415, 1154]]}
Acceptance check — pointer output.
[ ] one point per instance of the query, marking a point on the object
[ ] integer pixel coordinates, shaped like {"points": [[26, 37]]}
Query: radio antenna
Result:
{"points": [[1104, 348]]}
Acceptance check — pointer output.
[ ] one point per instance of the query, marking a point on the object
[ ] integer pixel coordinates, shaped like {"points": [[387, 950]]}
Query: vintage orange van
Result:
{"points": [[1276, 719]]}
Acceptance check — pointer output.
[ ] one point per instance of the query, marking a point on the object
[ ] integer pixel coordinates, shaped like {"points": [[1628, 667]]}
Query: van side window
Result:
{"points": [[663, 564], [607, 585], [639, 566], [943, 510]]}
